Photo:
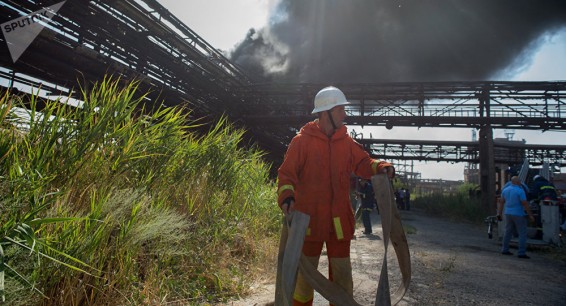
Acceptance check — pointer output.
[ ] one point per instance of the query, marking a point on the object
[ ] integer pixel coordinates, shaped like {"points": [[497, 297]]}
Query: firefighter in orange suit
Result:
{"points": [[314, 179]]}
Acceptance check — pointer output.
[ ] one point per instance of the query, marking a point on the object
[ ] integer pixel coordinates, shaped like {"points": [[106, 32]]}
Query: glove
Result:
{"points": [[288, 201]]}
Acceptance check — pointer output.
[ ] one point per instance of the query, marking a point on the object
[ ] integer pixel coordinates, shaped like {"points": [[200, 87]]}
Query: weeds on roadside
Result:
{"points": [[127, 206], [459, 207], [409, 229]]}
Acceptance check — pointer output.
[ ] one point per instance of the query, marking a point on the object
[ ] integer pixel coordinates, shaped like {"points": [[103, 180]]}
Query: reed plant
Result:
{"points": [[111, 203]]}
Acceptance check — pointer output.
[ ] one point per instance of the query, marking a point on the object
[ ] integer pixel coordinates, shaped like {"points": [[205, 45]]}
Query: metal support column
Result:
{"points": [[487, 155], [487, 168]]}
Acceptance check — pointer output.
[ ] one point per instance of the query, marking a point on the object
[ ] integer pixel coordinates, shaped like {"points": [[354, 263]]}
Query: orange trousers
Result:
{"points": [[339, 269]]}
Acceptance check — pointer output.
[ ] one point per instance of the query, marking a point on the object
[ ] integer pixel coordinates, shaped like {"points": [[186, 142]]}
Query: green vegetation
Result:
{"points": [[109, 203], [409, 229], [460, 206]]}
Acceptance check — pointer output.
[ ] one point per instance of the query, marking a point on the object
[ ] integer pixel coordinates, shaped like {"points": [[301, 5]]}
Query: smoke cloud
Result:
{"points": [[397, 40]]}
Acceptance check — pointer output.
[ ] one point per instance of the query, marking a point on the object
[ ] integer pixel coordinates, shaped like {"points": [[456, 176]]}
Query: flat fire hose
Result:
{"points": [[290, 245], [392, 231]]}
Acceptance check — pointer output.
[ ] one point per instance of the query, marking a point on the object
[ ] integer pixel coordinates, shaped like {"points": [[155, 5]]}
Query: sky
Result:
{"points": [[222, 23], [226, 24]]}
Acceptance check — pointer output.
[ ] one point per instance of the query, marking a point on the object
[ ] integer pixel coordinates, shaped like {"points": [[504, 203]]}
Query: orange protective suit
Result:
{"points": [[316, 172]]}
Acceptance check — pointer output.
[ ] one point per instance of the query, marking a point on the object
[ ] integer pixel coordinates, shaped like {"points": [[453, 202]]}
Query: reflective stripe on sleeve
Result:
{"points": [[338, 228], [285, 187], [374, 166]]}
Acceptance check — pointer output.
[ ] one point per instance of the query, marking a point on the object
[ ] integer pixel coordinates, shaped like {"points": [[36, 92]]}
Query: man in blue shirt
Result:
{"points": [[513, 204]]}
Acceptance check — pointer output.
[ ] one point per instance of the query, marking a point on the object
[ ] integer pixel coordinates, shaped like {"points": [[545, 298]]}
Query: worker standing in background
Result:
{"points": [[513, 204], [402, 199], [368, 203], [398, 199], [543, 189], [314, 179]]}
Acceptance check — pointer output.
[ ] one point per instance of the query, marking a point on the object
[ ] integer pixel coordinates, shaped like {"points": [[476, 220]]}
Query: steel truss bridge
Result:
{"points": [[464, 151], [141, 40], [517, 105]]}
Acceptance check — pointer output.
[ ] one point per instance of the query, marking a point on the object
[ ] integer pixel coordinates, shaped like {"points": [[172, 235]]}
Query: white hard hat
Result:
{"points": [[327, 98]]}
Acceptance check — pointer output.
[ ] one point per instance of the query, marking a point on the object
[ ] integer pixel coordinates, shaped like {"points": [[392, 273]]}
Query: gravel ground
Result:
{"points": [[452, 264]]}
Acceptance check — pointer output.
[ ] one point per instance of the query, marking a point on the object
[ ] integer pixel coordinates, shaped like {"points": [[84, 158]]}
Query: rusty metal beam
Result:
{"points": [[141, 40]]}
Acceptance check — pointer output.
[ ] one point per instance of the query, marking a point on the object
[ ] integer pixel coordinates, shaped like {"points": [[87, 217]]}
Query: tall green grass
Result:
{"points": [[459, 206], [109, 203]]}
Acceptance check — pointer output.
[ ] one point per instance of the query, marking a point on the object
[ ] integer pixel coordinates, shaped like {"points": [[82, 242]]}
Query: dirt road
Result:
{"points": [[452, 264]]}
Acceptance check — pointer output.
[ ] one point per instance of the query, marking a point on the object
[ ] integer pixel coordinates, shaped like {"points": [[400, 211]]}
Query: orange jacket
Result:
{"points": [[316, 172]]}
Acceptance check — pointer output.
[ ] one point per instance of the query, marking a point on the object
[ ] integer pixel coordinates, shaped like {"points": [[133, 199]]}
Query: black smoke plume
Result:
{"points": [[392, 40]]}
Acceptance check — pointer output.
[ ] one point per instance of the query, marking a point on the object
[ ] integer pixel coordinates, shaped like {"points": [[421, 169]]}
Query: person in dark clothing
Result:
{"points": [[542, 189], [402, 198], [399, 199], [368, 203]]}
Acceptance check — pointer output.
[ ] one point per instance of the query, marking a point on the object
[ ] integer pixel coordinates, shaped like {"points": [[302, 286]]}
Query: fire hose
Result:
{"points": [[290, 257]]}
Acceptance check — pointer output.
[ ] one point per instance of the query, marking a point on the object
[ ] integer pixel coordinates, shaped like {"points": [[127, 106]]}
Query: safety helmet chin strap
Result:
{"points": [[331, 120]]}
